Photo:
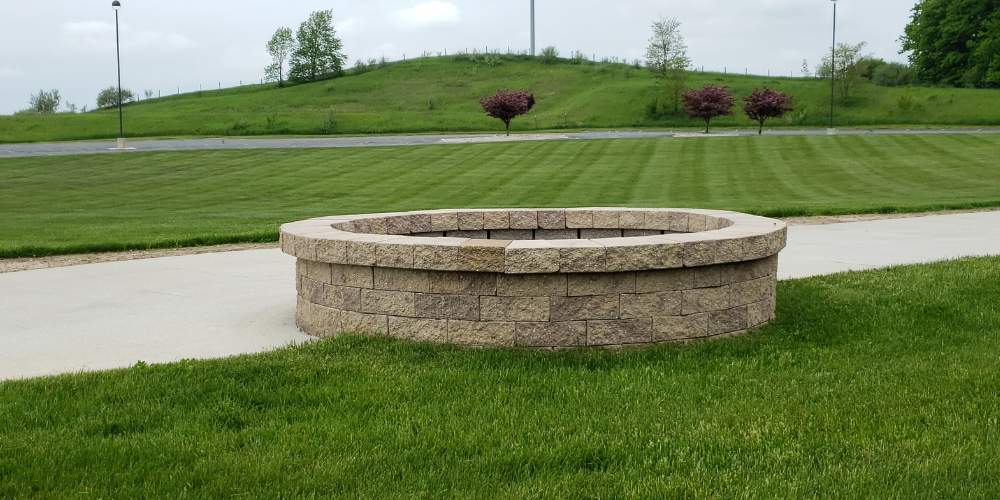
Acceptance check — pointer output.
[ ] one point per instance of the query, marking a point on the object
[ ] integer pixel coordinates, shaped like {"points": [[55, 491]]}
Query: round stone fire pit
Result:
{"points": [[541, 278]]}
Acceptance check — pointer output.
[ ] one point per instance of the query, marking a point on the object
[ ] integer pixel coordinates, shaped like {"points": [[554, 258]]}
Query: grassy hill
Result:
{"points": [[441, 94]]}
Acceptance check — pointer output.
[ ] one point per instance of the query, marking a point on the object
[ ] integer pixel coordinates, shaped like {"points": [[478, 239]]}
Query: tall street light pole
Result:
{"points": [[532, 27], [833, 64], [118, 56]]}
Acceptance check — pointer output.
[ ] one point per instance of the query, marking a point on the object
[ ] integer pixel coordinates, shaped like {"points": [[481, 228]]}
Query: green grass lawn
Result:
{"points": [[54, 205], [442, 94], [869, 385]]}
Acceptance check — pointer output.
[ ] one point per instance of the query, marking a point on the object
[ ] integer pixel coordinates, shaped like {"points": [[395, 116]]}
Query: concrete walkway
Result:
{"points": [[91, 147], [111, 315]]}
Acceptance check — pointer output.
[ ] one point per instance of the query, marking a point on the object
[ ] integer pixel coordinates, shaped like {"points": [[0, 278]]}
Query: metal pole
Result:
{"points": [[532, 27], [118, 56], [833, 64]]}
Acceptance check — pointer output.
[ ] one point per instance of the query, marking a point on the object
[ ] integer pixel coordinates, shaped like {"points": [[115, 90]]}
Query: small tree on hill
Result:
{"points": [[708, 103], [666, 57], [280, 48], [849, 69], [762, 104], [507, 105], [318, 52], [108, 97], [45, 102]]}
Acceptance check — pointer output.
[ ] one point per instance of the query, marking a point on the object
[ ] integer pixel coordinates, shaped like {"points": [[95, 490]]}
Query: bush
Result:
{"points": [[108, 98], [894, 75], [549, 55], [45, 102]]}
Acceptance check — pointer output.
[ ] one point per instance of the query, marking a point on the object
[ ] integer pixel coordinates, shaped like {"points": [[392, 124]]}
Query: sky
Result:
{"points": [[168, 45]]}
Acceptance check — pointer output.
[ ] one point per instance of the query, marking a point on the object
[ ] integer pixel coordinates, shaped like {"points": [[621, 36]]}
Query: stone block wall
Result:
{"points": [[411, 276]]}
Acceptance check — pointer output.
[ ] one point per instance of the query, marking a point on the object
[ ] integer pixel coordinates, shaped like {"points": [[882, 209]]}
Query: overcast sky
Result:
{"points": [[166, 44]]}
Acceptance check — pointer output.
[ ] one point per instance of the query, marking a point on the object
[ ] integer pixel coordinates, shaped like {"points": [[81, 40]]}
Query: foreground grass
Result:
{"points": [[442, 94], [878, 384], [54, 205]]}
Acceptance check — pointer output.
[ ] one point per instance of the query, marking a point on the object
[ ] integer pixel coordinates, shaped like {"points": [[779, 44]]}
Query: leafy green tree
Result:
{"points": [[108, 97], [318, 51], [666, 57], [280, 48], [849, 67], [955, 42], [45, 102]]}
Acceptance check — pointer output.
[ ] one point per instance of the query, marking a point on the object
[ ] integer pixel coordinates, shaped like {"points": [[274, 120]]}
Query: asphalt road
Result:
{"points": [[200, 144], [110, 315]]}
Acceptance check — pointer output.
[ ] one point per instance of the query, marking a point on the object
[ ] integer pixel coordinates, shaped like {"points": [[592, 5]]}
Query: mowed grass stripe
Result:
{"points": [[102, 202]]}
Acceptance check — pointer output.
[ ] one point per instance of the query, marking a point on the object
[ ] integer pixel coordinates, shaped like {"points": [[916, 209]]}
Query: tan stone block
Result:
{"points": [[354, 276], [632, 220], [749, 292], [680, 222], [378, 225], [388, 302], [483, 255], [435, 257], [777, 241], [394, 255], [316, 271], [341, 297], [707, 299], [671, 328], [398, 224], [371, 324], [730, 250], [444, 222], [419, 330], [420, 223], [531, 257], [579, 219], [552, 219], [317, 320], [528, 285], [619, 332], [657, 220], [700, 253], [555, 334], [523, 219], [463, 283], [496, 220], [600, 284], [637, 233], [663, 281], [475, 235], [584, 308], [332, 251], [759, 313], [728, 321], [756, 247], [440, 306], [622, 256], [511, 234], [312, 291], [514, 308], [750, 270], [600, 234], [697, 223], [648, 305], [470, 221], [556, 234], [402, 280], [606, 219], [361, 253], [707, 277], [583, 258], [475, 333]]}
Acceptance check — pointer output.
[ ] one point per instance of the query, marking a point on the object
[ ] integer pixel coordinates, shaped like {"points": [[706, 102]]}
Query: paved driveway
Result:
{"points": [[110, 315]]}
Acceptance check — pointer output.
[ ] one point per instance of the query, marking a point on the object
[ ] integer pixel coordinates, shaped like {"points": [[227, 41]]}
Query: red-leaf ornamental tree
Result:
{"points": [[708, 103], [762, 104], [507, 105]]}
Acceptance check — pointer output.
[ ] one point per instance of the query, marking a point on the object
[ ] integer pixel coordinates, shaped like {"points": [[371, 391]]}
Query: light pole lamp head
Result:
{"points": [[116, 5]]}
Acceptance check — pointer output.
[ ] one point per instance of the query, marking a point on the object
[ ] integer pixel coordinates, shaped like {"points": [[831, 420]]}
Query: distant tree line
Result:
{"points": [[314, 52]]}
